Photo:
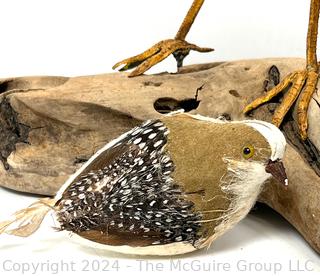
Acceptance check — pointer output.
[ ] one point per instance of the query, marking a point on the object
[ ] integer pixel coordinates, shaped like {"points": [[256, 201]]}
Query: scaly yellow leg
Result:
{"points": [[302, 83], [306, 95], [158, 52], [289, 98], [271, 94]]}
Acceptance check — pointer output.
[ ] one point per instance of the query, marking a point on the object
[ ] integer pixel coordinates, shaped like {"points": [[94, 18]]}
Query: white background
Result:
{"points": [[81, 37]]}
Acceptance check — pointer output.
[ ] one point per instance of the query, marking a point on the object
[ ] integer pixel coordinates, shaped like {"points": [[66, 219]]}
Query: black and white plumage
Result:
{"points": [[133, 193], [167, 187]]}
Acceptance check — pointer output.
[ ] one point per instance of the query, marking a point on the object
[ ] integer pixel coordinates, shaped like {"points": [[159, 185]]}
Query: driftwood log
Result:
{"points": [[49, 126]]}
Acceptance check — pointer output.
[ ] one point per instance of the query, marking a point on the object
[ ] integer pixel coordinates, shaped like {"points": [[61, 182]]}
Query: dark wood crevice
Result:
{"points": [[11, 131], [306, 148]]}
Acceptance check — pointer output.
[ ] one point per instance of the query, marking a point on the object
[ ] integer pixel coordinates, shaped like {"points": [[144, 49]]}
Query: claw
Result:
{"points": [[149, 62], [270, 94], [302, 83], [157, 53], [129, 62]]}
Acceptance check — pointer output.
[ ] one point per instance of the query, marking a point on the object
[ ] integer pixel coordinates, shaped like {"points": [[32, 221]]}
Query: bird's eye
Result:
{"points": [[248, 151]]}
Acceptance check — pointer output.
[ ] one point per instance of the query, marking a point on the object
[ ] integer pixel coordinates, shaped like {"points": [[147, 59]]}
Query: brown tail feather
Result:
{"points": [[27, 221]]}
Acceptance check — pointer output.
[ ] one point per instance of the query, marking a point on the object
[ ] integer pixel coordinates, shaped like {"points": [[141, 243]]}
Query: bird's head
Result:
{"points": [[270, 154], [258, 152]]}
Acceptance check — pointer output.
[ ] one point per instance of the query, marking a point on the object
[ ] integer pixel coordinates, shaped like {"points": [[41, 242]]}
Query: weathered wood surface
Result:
{"points": [[49, 126]]}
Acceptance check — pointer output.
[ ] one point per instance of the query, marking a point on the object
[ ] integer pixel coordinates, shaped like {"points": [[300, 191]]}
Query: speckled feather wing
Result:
{"points": [[127, 196]]}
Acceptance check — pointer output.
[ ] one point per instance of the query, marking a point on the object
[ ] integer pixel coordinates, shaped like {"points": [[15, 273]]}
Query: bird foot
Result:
{"points": [[301, 84], [158, 52]]}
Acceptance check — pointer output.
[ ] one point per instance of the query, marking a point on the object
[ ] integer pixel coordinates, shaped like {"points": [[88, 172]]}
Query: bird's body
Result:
{"points": [[169, 186]]}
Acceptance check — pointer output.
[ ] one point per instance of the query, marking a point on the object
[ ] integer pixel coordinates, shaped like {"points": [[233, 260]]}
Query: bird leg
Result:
{"points": [[158, 52], [301, 84]]}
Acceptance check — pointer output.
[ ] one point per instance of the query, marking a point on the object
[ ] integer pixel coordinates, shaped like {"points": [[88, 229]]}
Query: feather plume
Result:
{"points": [[27, 221]]}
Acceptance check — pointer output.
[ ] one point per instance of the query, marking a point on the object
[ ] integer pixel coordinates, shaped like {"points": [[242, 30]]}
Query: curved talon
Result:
{"points": [[302, 83], [270, 94], [155, 54], [138, 58]]}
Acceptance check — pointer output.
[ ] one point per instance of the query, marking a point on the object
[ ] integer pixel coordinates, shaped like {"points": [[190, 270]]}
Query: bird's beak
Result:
{"points": [[278, 171]]}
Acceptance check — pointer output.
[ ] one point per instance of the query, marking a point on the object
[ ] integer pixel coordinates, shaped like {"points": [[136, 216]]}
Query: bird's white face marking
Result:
{"points": [[273, 135]]}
